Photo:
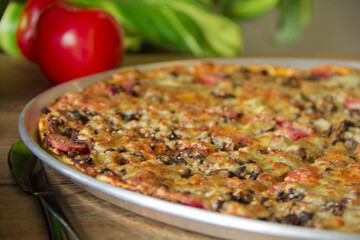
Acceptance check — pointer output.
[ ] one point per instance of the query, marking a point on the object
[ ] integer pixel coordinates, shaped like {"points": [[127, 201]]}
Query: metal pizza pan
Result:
{"points": [[189, 218]]}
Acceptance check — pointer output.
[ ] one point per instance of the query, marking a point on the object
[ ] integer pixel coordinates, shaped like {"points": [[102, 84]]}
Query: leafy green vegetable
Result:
{"points": [[180, 25], [200, 27], [248, 9], [8, 25], [3, 5], [295, 15]]}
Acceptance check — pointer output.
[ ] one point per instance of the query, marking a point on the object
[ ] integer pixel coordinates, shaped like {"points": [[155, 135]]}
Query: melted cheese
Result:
{"points": [[258, 141]]}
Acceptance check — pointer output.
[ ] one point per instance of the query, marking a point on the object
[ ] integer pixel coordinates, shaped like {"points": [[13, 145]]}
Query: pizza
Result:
{"points": [[273, 143]]}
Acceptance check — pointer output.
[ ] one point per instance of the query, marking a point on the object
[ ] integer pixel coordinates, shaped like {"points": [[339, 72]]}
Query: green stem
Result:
{"points": [[3, 5]]}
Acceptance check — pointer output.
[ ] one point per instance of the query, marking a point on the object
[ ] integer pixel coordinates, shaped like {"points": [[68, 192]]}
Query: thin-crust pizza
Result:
{"points": [[273, 143]]}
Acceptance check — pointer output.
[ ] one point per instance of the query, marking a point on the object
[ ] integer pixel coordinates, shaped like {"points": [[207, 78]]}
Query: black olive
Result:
{"points": [[73, 154], [122, 149]]}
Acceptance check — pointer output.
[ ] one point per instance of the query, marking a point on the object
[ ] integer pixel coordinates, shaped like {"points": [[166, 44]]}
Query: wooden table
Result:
{"points": [[20, 217]]}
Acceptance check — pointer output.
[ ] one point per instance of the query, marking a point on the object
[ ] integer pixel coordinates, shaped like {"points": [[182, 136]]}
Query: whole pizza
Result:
{"points": [[266, 142]]}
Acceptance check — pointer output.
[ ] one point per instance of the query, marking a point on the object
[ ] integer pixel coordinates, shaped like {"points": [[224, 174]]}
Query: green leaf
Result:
{"points": [[8, 25], [3, 5], [248, 9], [295, 15], [178, 25]]}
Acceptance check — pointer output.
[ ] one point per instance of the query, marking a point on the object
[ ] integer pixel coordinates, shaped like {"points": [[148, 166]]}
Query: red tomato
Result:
{"points": [[73, 42], [352, 102], [27, 23]]}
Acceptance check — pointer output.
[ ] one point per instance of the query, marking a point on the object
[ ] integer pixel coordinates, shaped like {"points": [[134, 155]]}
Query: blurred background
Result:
{"points": [[299, 28], [334, 31]]}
